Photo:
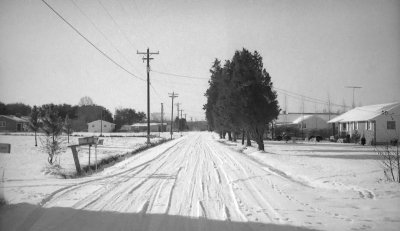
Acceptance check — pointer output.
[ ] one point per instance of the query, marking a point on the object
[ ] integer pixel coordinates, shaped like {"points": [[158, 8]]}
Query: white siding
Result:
{"points": [[383, 134], [95, 126]]}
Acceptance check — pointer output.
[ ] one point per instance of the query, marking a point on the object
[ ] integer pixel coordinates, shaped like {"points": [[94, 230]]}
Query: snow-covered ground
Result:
{"points": [[27, 163], [200, 182]]}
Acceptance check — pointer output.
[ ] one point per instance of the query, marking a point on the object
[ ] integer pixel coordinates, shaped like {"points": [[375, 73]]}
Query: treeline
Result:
{"points": [[78, 115], [17, 109], [240, 98]]}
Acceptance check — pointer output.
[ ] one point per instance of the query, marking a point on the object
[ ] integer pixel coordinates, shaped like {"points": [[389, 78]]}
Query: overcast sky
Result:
{"points": [[312, 48]]}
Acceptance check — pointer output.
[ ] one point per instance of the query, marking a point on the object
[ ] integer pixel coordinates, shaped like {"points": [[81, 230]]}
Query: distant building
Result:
{"points": [[289, 118], [101, 126], [142, 127], [377, 123], [310, 122], [125, 128], [304, 124], [10, 123]]}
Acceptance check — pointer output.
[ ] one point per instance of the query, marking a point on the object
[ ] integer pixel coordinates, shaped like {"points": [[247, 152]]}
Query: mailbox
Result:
{"points": [[5, 148], [88, 140]]}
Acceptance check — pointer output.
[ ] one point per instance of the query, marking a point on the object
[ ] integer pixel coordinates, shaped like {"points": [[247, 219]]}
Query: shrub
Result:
{"points": [[355, 137], [390, 160]]}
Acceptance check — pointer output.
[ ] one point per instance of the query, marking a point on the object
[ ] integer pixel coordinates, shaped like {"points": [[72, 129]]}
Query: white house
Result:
{"points": [[377, 123], [289, 118], [100, 126], [310, 122]]}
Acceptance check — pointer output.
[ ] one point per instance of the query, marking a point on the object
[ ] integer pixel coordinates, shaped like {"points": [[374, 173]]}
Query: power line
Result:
{"points": [[87, 40], [181, 76], [306, 98], [116, 24], [300, 95], [98, 30], [159, 96], [294, 95]]}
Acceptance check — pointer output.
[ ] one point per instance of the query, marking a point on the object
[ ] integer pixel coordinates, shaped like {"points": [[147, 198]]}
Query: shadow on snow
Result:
{"points": [[32, 217]]}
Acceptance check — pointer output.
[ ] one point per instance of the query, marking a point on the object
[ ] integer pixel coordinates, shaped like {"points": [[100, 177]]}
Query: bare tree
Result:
{"points": [[86, 101], [52, 127], [390, 160], [68, 126], [34, 122]]}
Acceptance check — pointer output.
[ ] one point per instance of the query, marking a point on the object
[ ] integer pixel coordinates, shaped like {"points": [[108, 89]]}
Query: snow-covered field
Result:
{"points": [[198, 182]]}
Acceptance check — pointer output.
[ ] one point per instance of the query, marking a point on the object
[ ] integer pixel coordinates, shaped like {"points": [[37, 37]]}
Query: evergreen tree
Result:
{"points": [[212, 96], [240, 97], [18, 109], [3, 109], [129, 116]]}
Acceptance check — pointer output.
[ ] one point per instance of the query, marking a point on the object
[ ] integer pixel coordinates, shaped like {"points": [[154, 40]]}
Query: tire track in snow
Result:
{"points": [[60, 192], [105, 190], [172, 191], [293, 198], [254, 191], [227, 179]]}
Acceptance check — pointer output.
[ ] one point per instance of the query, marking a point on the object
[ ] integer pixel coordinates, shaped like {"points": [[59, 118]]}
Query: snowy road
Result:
{"points": [[192, 183]]}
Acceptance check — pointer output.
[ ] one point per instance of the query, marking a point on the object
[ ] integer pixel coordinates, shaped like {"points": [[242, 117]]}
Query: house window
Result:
{"points": [[356, 125], [2, 123], [369, 125], [391, 125], [344, 127]]}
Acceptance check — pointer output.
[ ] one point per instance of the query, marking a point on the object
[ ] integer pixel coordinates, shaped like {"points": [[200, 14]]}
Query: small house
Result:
{"points": [[101, 126], [142, 127], [377, 123], [304, 124], [10, 123], [310, 122]]}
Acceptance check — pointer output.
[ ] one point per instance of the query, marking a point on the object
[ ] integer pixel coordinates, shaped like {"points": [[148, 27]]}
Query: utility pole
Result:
{"points": [[354, 88], [186, 121], [285, 114], [147, 58], [302, 117], [101, 123], [162, 117], [177, 112], [329, 106], [172, 95], [180, 122]]}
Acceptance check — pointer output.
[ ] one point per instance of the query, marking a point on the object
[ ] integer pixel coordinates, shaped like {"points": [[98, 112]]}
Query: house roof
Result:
{"points": [[145, 124], [302, 118], [100, 120], [365, 113], [292, 117], [16, 119]]}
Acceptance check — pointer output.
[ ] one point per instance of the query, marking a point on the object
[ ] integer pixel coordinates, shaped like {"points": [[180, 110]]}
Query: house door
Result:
{"points": [[19, 127]]}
